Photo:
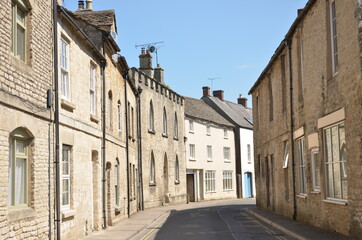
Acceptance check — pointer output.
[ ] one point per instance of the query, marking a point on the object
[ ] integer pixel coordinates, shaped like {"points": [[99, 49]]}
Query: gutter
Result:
{"points": [[56, 120], [127, 145], [139, 141], [104, 63]]}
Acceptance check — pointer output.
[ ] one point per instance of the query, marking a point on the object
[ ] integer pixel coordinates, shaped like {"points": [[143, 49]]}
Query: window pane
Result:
{"points": [[65, 161], [20, 42], [20, 181], [65, 193], [20, 146]]}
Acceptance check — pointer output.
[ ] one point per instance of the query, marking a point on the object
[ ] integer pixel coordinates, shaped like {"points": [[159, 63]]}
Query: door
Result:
{"points": [[191, 187], [248, 185]]}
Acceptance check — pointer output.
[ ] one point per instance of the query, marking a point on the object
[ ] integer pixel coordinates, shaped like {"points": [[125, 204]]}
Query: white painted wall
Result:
{"points": [[200, 164], [246, 137]]}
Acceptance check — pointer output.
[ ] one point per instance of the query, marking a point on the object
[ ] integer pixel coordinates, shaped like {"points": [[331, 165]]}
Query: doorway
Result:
{"points": [[191, 187], [248, 187]]}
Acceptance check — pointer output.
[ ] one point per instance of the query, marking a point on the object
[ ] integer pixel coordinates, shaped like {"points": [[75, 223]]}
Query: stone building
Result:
{"points": [[307, 120], [241, 117], [26, 132], [210, 153], [161, 121]]}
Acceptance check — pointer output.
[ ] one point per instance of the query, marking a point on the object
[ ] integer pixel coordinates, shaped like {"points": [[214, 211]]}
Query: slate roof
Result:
{"points": [[196, 108], [235, 113], [103, 20]]}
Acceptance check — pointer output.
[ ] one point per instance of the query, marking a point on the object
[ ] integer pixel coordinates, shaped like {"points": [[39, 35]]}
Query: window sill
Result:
{"points": [[192, 132], [208, 134], [336, 201], [209, 160], [211, 192], [227, 161], [20, 214], [177, 182], [226, 138], [151, 131], [175, 138], [316, 192], [67, 214], [164, 135], [228, 190], [192, 159], [301, 195], [94, 118], [67, 105], [152, 184]]}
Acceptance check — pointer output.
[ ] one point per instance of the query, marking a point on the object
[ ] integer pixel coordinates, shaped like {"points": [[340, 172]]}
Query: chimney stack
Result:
{"points": [[243, 101], [146, 63], [89, 5], [300, 10], [205, 91], [80, 5], [158, 74], [219, 94]]}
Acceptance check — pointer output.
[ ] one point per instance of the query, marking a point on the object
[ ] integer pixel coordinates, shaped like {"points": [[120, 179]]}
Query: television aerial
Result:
{"points": [[152, 47], [212, 80]]}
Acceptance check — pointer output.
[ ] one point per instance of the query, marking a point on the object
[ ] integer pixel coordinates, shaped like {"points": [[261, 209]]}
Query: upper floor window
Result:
{"points": [[132, 122], [191, 126], [335, 161], [18, 169], [227, 154], [151, 125], [286, 155], [177, 171], [110, 108], [192, 151], [92, 89], [64, 66], [19, 13], [248, 149], [175, 126], [301, 166], [209, 153], [333, 23], [208, 129], [225, 133], [164, 122], [119, 116]]}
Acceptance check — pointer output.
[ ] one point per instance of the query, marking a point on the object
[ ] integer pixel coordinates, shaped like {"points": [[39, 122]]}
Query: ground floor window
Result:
{"points": [[227, 180], [66, 158], [210, 181], [301, 166]]}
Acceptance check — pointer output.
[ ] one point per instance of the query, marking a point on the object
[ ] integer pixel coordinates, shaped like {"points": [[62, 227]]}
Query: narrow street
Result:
{"points": [[228, 221]]}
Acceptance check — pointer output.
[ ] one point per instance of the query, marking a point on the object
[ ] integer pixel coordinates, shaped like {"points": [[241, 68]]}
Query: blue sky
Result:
{"points": [[232, 40]]}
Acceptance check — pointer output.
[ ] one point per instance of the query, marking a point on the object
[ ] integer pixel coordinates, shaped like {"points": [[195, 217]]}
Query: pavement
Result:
{"points": [[132, 227]]}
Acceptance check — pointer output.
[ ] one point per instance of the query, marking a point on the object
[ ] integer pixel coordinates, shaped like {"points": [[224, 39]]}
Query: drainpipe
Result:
{"points": [[139, 140], [127, 144], [56, 120], [104, 136], [289, 44]]}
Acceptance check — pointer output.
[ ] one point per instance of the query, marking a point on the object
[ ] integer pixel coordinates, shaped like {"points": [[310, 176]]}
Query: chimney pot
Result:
{"points": [[80, 5], [243, 101], [219, 94], [89, 5], [205, 91]]}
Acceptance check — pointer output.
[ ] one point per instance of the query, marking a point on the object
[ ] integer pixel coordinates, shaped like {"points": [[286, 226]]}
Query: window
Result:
{"points": [[151, 125], [116, 180], [210, 181], [66, 176], [301, 59], [257, 100], [192, 151], [286, 155], [164, 122], [271, 104], [335, 161], [110, 109], [208, 129], [225, 133], [152, 170], [175, 127], [18, 169], [284, 82], [119, 116], [333, 22], [227, 180], [19, 12], [248, 147], [92, 90], [134, 180], [132, 122], [191, 126], [301, 166], [227, 154], [64, 69], [209, 153], [177, 171], [315, 170]]}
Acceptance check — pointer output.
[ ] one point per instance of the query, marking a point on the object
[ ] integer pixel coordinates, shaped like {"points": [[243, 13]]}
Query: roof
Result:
{"points": [[100, 19], [235, 113], [283, 43], [196, 108]]}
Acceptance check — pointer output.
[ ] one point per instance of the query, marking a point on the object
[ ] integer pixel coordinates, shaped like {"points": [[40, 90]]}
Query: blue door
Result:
{"points": [[248, 185]]}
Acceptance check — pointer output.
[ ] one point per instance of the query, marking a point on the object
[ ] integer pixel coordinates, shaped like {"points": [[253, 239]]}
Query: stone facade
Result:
{"points": [[308, 91], [25, 190]]}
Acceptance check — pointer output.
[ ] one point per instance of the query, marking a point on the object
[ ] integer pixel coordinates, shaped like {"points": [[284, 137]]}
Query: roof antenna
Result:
{"points": [[152, 47], [212, 80]]}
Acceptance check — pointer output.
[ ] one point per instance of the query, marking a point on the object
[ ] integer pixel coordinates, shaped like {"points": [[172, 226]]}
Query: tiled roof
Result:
{"points": [[100, 19], [196, 108]]}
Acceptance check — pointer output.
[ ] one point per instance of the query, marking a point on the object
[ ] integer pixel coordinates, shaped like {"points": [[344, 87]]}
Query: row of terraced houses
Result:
{"points": [[86, 141]]}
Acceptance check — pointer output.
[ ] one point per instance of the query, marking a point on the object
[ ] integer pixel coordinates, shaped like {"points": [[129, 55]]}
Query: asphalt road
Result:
{"points": [[225, 222]]}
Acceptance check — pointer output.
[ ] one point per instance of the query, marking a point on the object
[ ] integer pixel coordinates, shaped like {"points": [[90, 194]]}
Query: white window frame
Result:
{"points": [[152, 170], [334, 42], [151, 122], [227, 154], [92, 89], [302, 180], [210, 184], [225, 133], [164, 122], [336, 162], [191, 126], [19, 9], [110, 109], [227, 180], [66, 155], [209, 153], [116, 183], [208, 130], [64, 69], [286, 155], [192, 149], [119, 116], [248, 150], [315, 170]]}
